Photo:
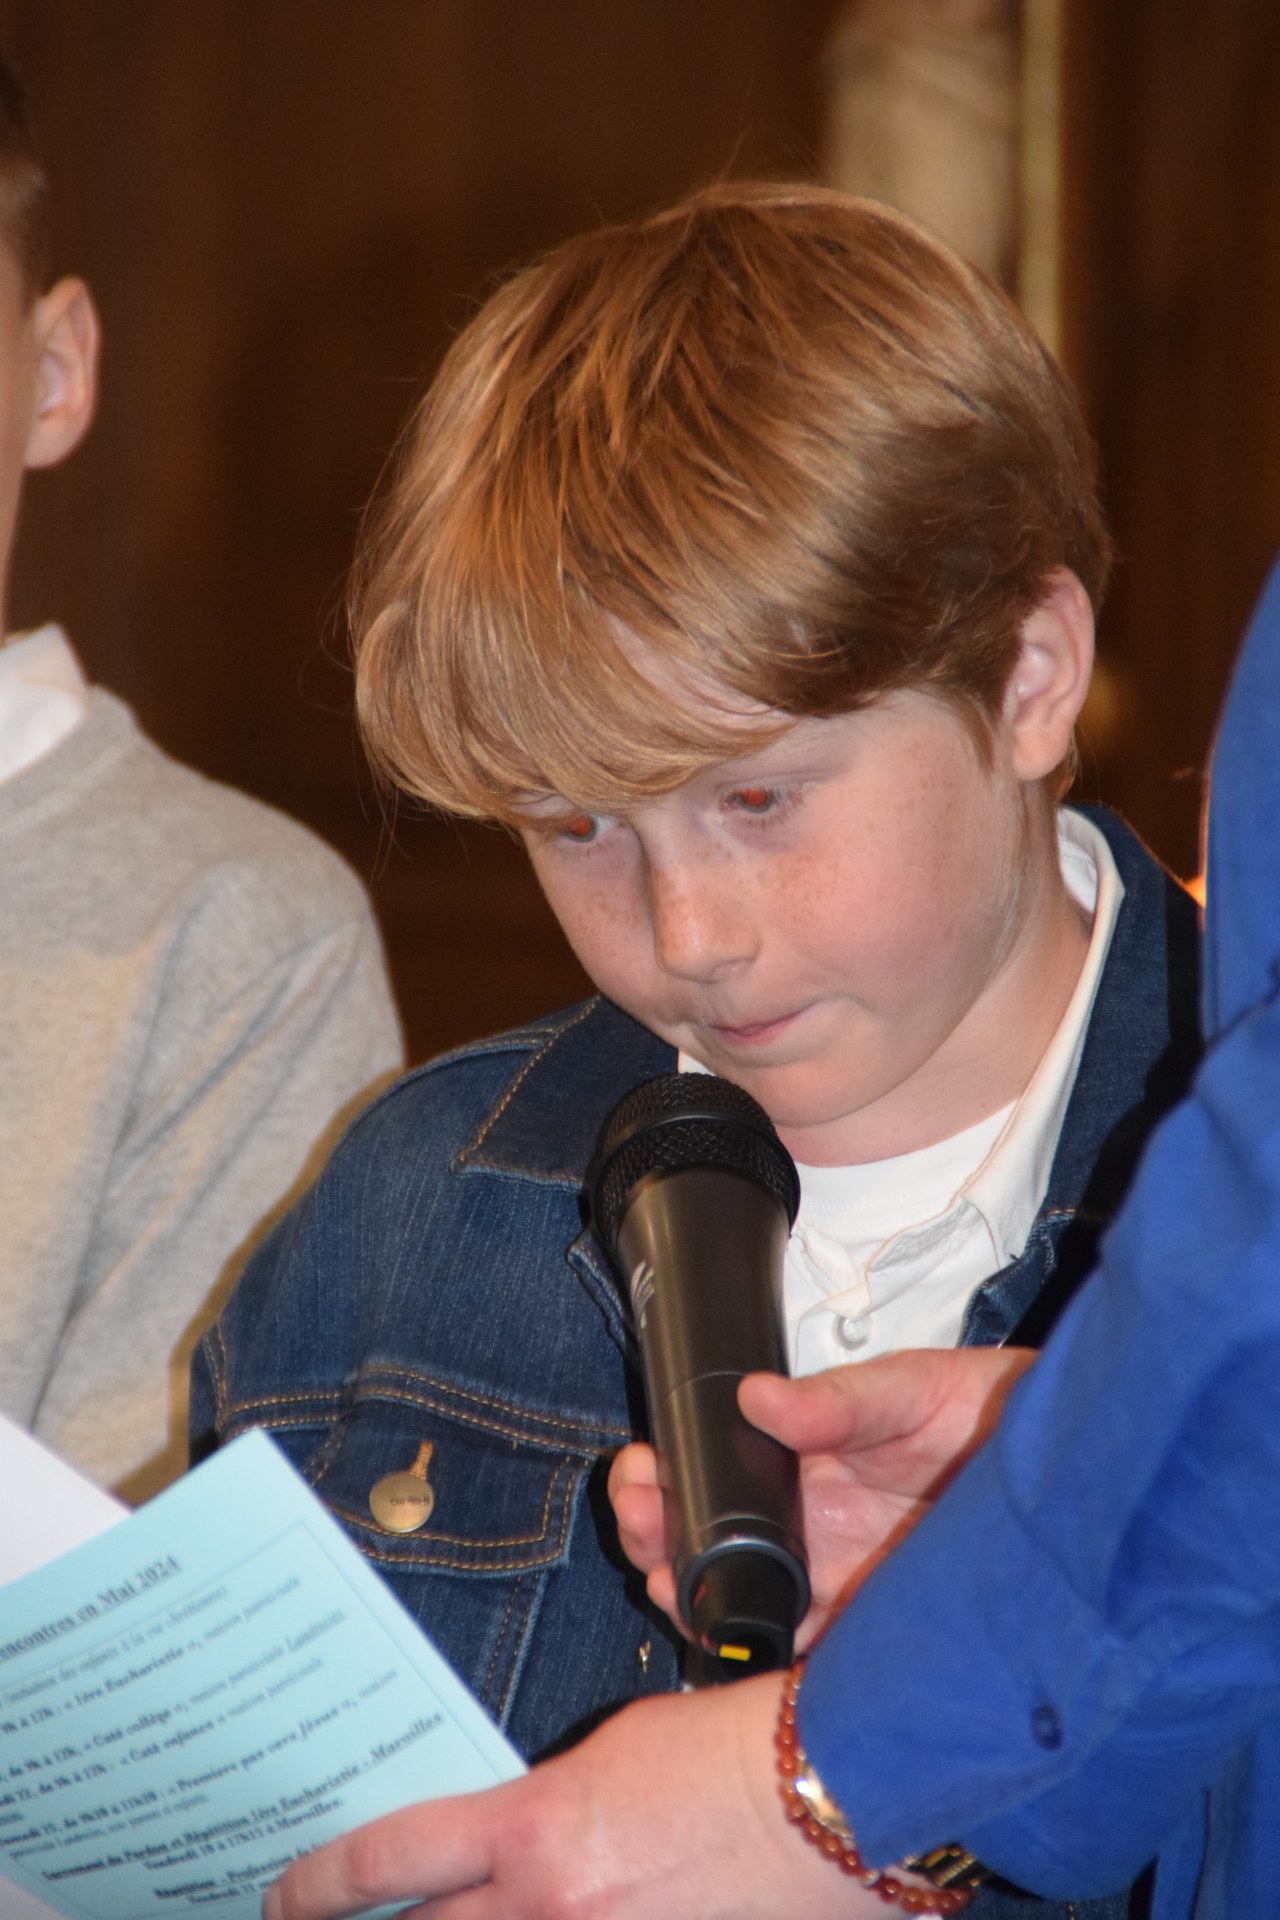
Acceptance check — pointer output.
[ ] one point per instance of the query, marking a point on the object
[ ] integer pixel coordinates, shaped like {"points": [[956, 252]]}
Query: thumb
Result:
{"points": [[846, 1408]]}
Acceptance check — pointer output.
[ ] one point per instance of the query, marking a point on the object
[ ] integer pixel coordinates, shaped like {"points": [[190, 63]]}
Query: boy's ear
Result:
{"points": [[1050, 678], [65, 339]]}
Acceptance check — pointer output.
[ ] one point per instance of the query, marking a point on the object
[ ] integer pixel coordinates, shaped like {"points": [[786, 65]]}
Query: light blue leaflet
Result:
{"points": [[208, 1689]]}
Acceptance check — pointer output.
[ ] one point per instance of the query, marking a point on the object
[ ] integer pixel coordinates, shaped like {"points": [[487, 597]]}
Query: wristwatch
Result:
{"points": [[949, 1866]]}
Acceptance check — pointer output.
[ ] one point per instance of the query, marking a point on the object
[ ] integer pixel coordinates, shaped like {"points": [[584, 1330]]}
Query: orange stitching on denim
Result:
{"points": [[451, 1564], [511, 1677], [554, 1422], [292, 1399], [321, 1460], [497, 1645], [534, 1060], [218, 1361], [237, 1423], [328, 1396], [464, 1419], [241, 1419]]}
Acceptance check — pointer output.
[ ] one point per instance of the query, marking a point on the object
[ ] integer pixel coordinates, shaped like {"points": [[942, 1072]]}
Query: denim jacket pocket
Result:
{"points": [[505, 1485], [490, 1569], [501, 1485]]}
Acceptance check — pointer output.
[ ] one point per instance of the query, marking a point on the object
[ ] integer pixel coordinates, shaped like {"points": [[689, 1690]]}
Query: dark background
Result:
{"points": [[285, 207]]}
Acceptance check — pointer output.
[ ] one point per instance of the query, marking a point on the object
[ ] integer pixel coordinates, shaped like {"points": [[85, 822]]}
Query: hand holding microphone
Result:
{"points": [[693, 1196], [877, 1443]]}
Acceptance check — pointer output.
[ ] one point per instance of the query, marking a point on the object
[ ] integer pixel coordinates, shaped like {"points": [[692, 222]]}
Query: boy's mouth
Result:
{"points": [[753, 1033]]}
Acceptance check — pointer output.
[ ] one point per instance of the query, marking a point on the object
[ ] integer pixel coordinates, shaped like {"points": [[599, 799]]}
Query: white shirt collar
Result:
{"points": [[1010, 1184], [43, 697]]}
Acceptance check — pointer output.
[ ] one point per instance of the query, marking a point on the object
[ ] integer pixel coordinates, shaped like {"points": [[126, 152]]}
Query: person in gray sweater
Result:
{"points": [[192, 989]]}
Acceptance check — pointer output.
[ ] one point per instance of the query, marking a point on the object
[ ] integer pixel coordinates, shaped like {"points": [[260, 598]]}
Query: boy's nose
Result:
{"points": [[700, 921]]}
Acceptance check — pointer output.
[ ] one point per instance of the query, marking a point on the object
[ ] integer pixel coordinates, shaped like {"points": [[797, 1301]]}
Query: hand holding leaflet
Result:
{"points": [[205, 1691]]}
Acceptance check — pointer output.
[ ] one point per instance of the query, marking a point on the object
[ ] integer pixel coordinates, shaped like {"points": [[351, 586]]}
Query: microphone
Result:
{"points": [[692, 1197]]}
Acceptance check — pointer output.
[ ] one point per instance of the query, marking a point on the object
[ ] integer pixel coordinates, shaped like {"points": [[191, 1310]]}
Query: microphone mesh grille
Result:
{"points": [[685, 1120]]}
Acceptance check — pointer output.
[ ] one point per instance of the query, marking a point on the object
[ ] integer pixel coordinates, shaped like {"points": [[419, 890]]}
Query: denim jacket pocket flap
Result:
{"points": [[496, 1498]]}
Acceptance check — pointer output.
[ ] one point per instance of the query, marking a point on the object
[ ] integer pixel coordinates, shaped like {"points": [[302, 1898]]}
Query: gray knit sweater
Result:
{"points": [[192, 992]]}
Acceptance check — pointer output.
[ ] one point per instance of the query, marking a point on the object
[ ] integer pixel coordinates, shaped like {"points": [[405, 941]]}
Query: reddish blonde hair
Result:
{"points": [[773, 448]]}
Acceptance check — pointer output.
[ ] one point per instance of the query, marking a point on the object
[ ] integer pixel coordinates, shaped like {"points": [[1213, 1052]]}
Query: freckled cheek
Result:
{"points": [[935, 861], [607, 932], [951, 927], [882, 907], [878, 941]]}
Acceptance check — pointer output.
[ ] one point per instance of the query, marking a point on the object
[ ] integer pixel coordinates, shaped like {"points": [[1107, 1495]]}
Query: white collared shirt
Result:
{"points": [[43, 697], [886, 1255]]}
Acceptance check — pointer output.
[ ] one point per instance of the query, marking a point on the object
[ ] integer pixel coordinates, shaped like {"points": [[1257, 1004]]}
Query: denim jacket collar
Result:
{"points": [[1119, 1094], [547, 1123]]}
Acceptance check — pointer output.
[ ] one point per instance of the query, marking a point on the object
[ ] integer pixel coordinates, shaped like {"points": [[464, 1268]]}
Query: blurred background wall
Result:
{"points": [[285, 208]]}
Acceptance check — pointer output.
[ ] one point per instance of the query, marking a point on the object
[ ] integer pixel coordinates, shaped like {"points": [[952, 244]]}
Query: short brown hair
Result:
{"points": [[775, 441], [24, 188]]}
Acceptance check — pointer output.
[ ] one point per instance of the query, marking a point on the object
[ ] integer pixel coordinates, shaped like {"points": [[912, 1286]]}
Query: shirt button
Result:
{"points": [[853, 1333], [1046, 1727]]}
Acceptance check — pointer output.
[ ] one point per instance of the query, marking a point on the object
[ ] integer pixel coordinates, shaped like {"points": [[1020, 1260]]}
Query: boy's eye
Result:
{"points": [[754, 799], [581, 828]]}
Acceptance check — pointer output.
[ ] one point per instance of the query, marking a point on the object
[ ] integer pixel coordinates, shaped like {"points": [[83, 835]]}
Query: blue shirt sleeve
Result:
{"points": [[1083, 1638], [1061, 1658]]}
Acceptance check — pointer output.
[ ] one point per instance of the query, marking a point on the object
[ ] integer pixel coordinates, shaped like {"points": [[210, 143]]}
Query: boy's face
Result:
{"points": [[861, 924]]}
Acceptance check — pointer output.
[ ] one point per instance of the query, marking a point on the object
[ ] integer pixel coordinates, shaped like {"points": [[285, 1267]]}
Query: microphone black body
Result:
{"points": [[693, 1196]]}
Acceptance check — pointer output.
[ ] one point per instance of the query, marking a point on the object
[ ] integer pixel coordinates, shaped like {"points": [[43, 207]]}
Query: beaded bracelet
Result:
{"points": [[810, 1807]]}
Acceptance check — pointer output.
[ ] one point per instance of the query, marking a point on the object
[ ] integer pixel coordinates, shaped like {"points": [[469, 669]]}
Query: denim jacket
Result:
{"points": [[437, 1302]]}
